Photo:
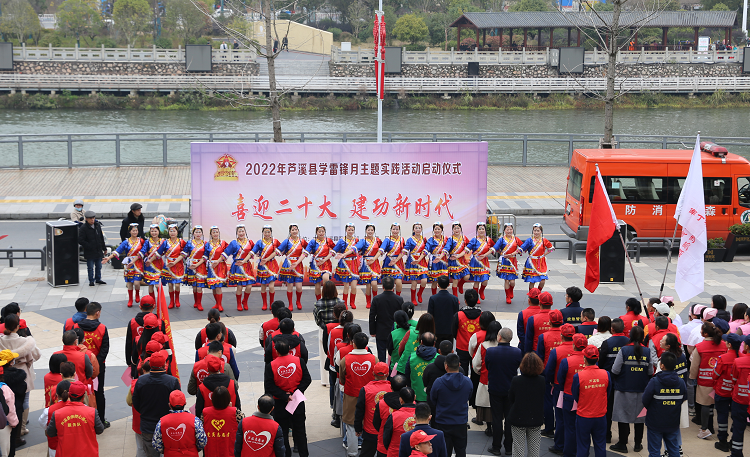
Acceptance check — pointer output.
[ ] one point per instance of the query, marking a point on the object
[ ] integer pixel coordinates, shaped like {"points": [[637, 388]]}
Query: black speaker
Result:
{"points": [[62, 253], [612, 258], [473, 69]]}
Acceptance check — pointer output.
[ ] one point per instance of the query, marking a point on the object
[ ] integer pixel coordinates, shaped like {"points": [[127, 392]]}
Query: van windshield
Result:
{"points": [[575, 180]]}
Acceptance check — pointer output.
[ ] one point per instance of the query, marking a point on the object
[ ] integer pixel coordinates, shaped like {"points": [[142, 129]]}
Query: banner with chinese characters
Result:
{"points": [[336, 183]]}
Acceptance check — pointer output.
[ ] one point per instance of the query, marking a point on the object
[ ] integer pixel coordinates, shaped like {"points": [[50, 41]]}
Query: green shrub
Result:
{"points": [[163, 43], [715, 243], [336, 33], [415, 47], [740, 229]]}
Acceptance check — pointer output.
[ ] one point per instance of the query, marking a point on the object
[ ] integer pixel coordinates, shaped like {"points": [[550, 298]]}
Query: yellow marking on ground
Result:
{"points": [[522, 197], [98, 200]]}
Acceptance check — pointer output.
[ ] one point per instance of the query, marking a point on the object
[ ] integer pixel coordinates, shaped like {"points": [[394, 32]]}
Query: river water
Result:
{"points": [[729, 122]]}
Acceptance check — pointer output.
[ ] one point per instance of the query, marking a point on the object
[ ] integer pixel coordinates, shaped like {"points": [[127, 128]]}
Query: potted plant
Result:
{"points": [[715, 251], [738, 234]]}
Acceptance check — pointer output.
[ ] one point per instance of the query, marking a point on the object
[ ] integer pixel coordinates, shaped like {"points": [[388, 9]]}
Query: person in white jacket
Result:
{"points": [[27, 352]]}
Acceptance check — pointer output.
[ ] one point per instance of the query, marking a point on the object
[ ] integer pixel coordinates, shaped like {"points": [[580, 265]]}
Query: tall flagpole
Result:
{"points": [[632, 270], [378, 32], [671, 244]]}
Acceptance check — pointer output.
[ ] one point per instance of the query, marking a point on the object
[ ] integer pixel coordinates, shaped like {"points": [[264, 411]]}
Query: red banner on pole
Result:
{"points": [[163, 313], [601, 228]]}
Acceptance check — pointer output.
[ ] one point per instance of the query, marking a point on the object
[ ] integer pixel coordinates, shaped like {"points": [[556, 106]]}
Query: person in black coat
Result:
{"points": [[134, 217], [384, 306], [443, 306], [526, 396], [91, 238], [151, 398], [16, 381]]}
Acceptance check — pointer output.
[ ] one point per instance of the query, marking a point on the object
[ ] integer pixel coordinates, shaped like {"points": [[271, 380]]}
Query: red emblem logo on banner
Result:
{"points": [[226, 169]]}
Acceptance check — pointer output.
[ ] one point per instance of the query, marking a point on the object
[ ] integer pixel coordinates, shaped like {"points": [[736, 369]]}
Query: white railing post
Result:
{"points": [[154, 56], [128, 54], [104, 58], [453, 55], [428, 54], [51, 56], [23, 50], [499, 55], [523, 55], [76, 52]]}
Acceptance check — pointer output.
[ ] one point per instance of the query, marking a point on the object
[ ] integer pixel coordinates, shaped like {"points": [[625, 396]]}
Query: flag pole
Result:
{"points": [[669, 258], [624, 246]]}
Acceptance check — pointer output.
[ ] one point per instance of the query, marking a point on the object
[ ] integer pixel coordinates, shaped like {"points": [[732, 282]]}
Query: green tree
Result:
{"points": [[79, 17], [720, 7], [600, 6], [131, 17], [731, 5], [19, 19], [359, 15], [185, 19], [411, 28], [531, 5]]}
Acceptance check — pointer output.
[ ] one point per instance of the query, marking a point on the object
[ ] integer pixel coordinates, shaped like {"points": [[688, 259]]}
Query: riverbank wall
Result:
{"points": [[38, 67]]}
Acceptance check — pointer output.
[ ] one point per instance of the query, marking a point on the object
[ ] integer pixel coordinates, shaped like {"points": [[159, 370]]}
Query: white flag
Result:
{"points": [[691, 215]]}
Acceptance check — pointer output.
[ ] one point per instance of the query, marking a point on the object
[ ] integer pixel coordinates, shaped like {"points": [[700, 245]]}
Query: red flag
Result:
{"points": [[601, 227], [163, 313]]}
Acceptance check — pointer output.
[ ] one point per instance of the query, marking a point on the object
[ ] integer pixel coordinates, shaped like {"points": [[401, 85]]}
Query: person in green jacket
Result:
{"points": [[423, 356], [402, 326], [410, 341], [408, 308]]}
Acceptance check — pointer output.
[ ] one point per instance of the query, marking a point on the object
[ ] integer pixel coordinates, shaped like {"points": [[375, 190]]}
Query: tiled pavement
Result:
{"points": [[49, 193], [45, 309]]}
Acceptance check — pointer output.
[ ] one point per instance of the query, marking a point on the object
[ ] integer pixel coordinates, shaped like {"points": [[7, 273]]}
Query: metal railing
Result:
{"points": [[153, 54], [327, 85], [523, 56], [173, 148], [10, 255]]}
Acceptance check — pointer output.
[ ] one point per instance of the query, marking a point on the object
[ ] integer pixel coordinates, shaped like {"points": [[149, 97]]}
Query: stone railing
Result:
{"points": [[153, 54], [506, 56]]}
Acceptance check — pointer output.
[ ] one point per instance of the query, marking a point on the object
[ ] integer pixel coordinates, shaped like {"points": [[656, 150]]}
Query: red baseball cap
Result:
{"points": [[545, 298], [77, 389], [153, 346], [147, 301], [150, 320], [381, 369], [213, 363], [533, 293], [580, 341], [556, 317], [567, 330], [158, 360], [159, 337], [418, 437], [591, 352], [177, 398]]}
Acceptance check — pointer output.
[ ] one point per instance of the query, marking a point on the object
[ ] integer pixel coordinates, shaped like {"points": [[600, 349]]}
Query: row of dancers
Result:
{"points": [[214, 263]]}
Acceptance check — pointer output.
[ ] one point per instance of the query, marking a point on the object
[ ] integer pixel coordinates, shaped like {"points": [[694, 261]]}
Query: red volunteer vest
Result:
{"points": [[709, 353], [51, 380], [258, 435], [200, 370], [178, 434], [78, 358], [564, 350], [335, 336], [481, 335], [295, 351], [403, 421], [629, 318], [136, 414], [52, 441], [358, 372], [552, 338], [593, 383], [528, 312], [93, 340], [269, 327], [723, 372], [220, 426], [483, 374], [226, 353], [207, 394], [374, 392], [466, 328], [385, 411], [343, 349], [651, 329], [741, 373], [75, 430], [541, 325], [575, 365], [136, 329], [69, 324], [204, 338], [287, 372]]}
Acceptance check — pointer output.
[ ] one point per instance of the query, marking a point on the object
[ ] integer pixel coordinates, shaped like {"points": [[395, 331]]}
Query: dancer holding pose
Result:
{"points": [[458, 268], [347, 270], [321, 250], [195, 266], [216, 266], [437, 255], [507, 248], [393, 263], [129, 250], [479, 267], [153, 264], [242, 271], [293, 270], [369, 271], [535, 270], [416, 262], [173, 269], [268, 267]]}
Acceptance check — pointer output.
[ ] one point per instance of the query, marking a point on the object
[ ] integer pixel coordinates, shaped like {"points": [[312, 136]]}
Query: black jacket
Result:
{"points": [[92, 240], [434, 371], [211, 382], [383, 307], [151, 397], [470, 312], [88, 325], [526, 396], [392, 400], [130, 339], [293, 341], [131, 219], [443, 306]]}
